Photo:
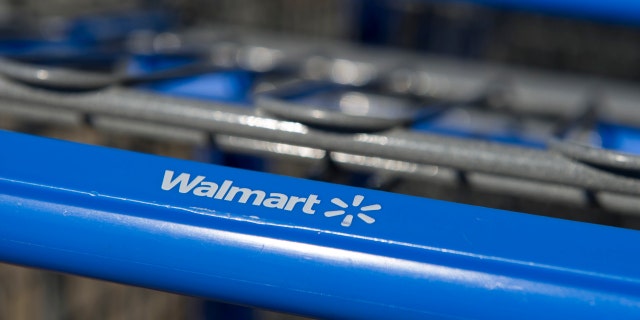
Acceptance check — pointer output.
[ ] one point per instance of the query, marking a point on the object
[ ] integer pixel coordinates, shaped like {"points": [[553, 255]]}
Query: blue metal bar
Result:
{"points": [[301, 246], [624, 11]]}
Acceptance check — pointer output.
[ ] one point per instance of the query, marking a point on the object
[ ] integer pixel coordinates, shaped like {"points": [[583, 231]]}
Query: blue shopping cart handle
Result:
{"points": [[301, 246], [625, 11]]}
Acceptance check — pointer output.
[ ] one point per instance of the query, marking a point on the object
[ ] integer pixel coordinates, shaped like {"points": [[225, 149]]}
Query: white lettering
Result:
{"points": [[182, 179], [308, 206], [223, 189], [276, 200], [228, 192], [246, 193], [293, 200], [206, 189]]}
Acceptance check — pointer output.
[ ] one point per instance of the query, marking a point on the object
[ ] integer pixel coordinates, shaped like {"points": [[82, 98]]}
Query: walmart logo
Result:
{"points": [[227, 190], [355, 204]]}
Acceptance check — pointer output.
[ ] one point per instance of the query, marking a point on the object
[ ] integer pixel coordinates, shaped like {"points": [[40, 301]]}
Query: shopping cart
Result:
{"points": [[334, 114]]}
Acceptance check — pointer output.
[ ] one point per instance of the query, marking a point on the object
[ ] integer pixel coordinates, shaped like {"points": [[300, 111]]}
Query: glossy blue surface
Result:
{"points": [[103, 213], [231, 86], [224, 86], [619, 138], [626, 11], [490, 127]]}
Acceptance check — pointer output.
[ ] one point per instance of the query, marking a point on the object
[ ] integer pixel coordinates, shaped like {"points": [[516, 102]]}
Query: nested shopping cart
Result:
{"points": [[359, 126]]}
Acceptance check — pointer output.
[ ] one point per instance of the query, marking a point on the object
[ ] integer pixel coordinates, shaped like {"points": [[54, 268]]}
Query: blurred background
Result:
{"points": [[578, 37]]}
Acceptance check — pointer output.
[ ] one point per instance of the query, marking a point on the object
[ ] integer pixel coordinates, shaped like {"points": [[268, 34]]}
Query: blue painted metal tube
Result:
{"points": [[623, 11], [301, 246]]}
